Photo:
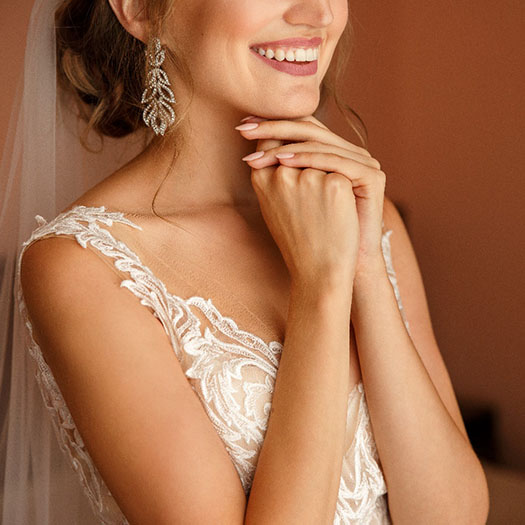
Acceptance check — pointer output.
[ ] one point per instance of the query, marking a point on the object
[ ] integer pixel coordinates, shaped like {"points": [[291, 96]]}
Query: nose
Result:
{"points": [[315, 13]]}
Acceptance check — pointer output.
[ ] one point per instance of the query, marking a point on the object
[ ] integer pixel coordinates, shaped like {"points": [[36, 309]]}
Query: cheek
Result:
{"points": [[341, 14]]}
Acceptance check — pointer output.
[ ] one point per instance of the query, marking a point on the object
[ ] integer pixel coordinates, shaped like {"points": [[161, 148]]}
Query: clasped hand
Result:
{"points": [[318, 150]]}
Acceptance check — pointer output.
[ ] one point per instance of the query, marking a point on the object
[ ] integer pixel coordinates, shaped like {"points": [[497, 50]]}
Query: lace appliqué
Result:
{"points": [[234, 378], [385, 242], [69, 439]]}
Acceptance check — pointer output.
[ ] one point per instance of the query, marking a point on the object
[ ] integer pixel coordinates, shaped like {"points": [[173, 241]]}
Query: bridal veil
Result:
{"points": [[44, 168]]}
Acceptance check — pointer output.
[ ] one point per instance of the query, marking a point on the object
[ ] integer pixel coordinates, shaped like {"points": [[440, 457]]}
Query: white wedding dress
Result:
{"points": [[231, 370]]}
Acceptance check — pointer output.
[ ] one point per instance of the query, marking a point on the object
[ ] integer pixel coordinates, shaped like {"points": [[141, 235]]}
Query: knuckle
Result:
{"points": [[258, 178], [310, 176], [364, 152], [381, 177], [311, 124], [309, 173], [284, 176], [336, 181], [279, 172], [306, 156]]}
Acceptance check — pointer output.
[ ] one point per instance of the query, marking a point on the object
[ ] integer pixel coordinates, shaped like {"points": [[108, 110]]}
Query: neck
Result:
{"points": [[208, 170]]}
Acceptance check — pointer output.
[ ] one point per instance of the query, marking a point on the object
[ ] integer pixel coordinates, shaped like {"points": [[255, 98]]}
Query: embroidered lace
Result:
{"points": [[231, 370]]}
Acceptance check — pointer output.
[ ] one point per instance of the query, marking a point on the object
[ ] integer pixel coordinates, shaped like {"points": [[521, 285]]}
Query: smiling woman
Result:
{"points": [[211, 337]]}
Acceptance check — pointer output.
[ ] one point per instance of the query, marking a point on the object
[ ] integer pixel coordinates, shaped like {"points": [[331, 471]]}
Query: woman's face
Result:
{"points": [[217, 38]]}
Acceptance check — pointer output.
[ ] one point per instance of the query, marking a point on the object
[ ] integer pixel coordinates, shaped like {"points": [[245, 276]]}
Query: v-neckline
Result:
{"points": [[194, 300]]}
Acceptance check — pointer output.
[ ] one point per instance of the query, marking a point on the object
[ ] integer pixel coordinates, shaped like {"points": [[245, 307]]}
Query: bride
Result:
{"points": [[215, 325]]}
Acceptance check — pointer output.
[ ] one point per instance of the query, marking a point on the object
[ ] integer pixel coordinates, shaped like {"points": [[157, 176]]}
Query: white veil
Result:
{"points": [[43, 169]]}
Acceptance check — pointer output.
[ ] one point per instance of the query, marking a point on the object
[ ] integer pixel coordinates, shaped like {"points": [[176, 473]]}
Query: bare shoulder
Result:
{"points": [[58, 275], [140, 420]]}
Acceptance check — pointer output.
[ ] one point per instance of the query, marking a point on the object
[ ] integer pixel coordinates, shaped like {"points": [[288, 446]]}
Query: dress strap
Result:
{"points": [[81, 223], [387, 255]]}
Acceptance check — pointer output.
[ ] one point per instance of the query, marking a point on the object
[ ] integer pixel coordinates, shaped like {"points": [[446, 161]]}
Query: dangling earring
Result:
{"points": [[158, 113]]}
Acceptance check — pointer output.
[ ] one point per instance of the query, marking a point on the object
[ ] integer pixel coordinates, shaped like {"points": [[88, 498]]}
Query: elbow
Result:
{"points": [[475, 501], [480, 505], [465, 501]]}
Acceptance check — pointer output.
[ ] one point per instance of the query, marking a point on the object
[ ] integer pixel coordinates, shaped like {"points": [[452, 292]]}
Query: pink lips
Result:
{"points": [[292, 42]]}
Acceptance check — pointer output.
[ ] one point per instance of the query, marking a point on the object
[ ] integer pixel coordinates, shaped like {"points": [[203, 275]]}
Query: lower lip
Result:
{"points": [[293, 68]]}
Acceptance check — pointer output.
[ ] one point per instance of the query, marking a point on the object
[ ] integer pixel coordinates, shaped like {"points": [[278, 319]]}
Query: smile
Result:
{"points": [[299, 62]]}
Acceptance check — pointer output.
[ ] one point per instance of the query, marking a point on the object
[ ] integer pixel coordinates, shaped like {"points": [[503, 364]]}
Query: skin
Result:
{"points": [[210, 172], [415, 418]]}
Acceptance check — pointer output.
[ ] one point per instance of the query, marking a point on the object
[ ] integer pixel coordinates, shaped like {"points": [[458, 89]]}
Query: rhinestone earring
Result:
{"points": [[158, 113]]}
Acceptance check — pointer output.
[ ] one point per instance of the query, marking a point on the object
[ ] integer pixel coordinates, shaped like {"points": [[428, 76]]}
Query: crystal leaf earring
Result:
{"points": [[158, 114]]}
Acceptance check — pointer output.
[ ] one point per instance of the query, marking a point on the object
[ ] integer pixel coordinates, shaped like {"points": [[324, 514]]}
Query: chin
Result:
{"points": [[289, 111]]}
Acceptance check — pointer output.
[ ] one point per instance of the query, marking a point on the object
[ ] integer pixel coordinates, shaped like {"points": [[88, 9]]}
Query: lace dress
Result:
{"points": [[232, 371]]}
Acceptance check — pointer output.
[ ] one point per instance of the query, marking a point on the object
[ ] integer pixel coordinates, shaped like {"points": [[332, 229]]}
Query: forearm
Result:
{"points": [[432, 473], [299, 466]]}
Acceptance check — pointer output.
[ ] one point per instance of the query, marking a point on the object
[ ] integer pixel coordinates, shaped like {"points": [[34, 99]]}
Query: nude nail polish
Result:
{"points": [[253, 156], [247, 126]]}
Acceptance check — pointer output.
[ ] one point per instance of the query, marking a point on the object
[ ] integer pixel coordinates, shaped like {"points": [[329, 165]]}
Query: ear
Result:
{"points": [[132, 16]]}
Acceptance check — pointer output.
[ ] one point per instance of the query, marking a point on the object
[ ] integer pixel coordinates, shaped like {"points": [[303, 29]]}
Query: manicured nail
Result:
{"points": [[253, 156], [285, 155], [248, 126], [247, 118]]}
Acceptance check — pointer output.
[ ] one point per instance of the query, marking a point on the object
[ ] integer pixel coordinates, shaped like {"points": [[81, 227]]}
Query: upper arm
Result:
{"points": [[413, 297], [140, 420]]}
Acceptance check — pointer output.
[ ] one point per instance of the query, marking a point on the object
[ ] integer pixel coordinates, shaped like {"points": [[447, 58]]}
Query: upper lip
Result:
{"points": [[292, 42]]}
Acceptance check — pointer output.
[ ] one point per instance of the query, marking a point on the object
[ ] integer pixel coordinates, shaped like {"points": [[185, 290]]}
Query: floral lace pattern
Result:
{"points": [[232, 371]]}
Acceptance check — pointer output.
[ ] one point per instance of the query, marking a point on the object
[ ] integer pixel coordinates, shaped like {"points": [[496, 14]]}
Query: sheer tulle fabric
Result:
{"points": [[43, 169]]}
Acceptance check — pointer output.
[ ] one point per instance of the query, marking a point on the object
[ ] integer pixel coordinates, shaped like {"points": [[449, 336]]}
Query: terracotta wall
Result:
{"points": [[441, 88]]}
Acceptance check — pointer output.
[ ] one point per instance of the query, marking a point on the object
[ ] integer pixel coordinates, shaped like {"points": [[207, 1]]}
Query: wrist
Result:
{"points": [[326, 287], [369, 284], [370, 269]]}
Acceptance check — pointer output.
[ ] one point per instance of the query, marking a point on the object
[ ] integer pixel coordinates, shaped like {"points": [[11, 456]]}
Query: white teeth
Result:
{"points": [[279, 55], [299, 55]]}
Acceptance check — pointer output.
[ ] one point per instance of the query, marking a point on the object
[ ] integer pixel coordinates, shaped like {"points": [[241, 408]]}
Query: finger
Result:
{"points": [[310, 118], [269, 158], [296, 130], [357, 173]]}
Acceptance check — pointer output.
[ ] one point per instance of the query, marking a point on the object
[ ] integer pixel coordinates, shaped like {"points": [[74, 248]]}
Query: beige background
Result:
{"points": [[441, 88]]}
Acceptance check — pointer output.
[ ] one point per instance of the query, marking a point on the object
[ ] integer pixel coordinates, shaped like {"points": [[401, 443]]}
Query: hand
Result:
{"points": [[326, 152], [311, 216]]}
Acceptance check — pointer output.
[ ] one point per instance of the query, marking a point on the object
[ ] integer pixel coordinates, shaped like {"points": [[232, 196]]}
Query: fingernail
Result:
{"points": [[248, 126], [253, 156], [285, 155], [247, 118]]}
